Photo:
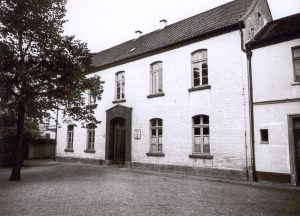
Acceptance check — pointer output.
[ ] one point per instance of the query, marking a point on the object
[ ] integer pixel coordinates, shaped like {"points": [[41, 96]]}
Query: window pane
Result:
{"points": [[160, 81], [159, 147], [204, 80], [205, 131], [197, 131], [70, 127], [197, 148], [197, 140], [153, 147], [204, 54], [297, 69], [205, 120], [296, 52], [153, 132], [160, 140], [206, 140], [197, 120], [206, 148], [196, 56], [204, 69], [160, 132], [196, 70], [159, 122], [196, 82]]}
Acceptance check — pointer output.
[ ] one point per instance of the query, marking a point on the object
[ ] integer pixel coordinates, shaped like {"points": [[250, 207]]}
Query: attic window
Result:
{"points": [[132, 50]]}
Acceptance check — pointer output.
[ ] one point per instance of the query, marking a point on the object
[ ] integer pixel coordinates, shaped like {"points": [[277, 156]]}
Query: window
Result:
{"points": [[47, 135], [199, 68], [91, 98], [156, 131], [201, 134], [120, 85], [156, 78], [296, 63], [91, 136], [70, 136], [264, 134]]}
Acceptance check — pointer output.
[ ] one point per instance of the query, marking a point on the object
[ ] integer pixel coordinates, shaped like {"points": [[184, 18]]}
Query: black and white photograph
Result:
{"points": [[149, 108]]}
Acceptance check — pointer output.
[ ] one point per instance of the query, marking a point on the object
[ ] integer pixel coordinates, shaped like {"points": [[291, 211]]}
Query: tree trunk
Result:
{"points": [[18, 162]]}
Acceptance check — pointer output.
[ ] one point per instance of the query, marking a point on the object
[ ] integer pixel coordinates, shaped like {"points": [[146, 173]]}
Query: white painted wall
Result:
{"points": [[273, 79], [224, 103]]}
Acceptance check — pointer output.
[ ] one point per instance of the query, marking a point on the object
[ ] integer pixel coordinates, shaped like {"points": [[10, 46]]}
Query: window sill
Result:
{"points": [[119, 101], [156, 95], [199, 88], [295, 83], [91, 106], [69, 150], [89, 151], [264, 142], [155, 154], [201, 156]]}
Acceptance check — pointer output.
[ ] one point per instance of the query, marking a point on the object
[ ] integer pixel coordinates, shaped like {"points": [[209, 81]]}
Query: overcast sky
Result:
{"points": [[106, 23]]}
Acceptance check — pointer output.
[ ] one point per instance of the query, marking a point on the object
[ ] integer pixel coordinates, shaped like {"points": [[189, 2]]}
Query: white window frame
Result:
{"points": [[156, 77], [120, 84], [201, 139], [90, 146], [70, 137], [296, 78], [200, 61], [156, 144], [91, 98]]}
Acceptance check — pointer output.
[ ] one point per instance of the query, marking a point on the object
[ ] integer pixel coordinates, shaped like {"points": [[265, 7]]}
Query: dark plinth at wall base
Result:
{"points": [[199, 171], [199, 88], [119, 101], [201, 156], [155, 154], [156, 95], [273, 177], [81, 160]]}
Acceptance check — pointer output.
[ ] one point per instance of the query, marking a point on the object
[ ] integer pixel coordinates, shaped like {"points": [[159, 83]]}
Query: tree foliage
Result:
{"points": [[40, 68]]}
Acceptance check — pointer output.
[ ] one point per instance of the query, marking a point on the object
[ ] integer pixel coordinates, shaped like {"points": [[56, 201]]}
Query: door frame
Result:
{"points": [[292, 148], [125, 113]]}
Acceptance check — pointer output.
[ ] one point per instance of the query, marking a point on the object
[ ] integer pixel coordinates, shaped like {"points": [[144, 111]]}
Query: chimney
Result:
{"points": [[138, 34], [163, 23]]}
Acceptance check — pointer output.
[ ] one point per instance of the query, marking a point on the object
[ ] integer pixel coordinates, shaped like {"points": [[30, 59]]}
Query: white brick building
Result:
{"points": [[176, 98]]}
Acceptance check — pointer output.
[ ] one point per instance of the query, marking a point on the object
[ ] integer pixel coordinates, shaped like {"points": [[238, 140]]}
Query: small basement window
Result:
{"points": [[264, 134]]}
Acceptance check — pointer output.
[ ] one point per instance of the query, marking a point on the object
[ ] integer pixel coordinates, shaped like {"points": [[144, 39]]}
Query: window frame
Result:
{"points": [[121, 82], [261, 136], [194, 62], [158, 78], [201, 126], [293, 62], [90, 146], [157, 127], [70, 132], [91, 98]]}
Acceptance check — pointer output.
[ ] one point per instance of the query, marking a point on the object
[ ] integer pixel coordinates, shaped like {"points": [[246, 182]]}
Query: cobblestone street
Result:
{"points": [[51, 188]]}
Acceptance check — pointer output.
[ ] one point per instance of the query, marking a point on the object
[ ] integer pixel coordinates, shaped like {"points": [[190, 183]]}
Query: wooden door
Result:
{"points": [[296, 130], [119, 141]]}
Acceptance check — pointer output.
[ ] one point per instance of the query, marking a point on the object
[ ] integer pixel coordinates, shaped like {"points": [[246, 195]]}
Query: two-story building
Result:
{"points": [[276, 99], [175, 98]]}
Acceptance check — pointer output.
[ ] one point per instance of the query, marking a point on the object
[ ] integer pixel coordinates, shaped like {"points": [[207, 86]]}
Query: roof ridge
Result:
{"points": [[168, 26]]}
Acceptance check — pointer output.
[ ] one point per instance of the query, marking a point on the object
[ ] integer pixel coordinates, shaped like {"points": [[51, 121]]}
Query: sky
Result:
{"points": [[106, 23]]}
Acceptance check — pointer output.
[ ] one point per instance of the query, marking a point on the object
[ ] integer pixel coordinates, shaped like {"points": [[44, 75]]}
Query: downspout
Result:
{"points": [[250, 98]]}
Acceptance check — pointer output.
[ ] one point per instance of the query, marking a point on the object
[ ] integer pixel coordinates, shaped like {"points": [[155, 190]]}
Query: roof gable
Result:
{"points": [[208, 22]]}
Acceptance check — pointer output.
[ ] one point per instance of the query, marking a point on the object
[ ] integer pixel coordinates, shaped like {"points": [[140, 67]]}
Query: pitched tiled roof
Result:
{"points": [[284, 29], [215, 20]]}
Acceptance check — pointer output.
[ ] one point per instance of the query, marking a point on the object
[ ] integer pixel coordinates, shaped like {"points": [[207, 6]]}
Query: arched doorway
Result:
{"points": [[117, 140], [118, 135]]}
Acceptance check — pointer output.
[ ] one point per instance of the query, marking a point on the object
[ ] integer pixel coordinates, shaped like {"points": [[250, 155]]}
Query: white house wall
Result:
{"points": [[273, 79], [225, 103]]}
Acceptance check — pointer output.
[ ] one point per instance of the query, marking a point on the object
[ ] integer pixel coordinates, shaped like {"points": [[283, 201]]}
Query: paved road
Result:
{"points": [[75, 189]]}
